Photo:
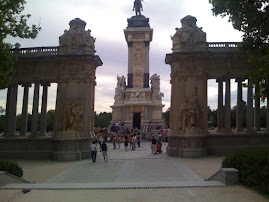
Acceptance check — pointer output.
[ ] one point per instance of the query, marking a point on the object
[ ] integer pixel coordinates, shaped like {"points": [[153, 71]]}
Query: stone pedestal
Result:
{"points": [[191, 146]]}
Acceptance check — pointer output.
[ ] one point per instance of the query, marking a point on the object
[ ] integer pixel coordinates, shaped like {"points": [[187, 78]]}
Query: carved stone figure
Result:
{"points": [[189, 37], [155, 87], [73, 114], [121, 87], [77, 114], [190, 111], [76, 40], [138, 7]]}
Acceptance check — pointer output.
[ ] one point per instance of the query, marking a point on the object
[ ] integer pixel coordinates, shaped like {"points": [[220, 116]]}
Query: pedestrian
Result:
{"points": [[138, 139], [93, 151], [126, 143], [118, 140], [100, 141], [133, 142], [153, 145], [160, 138], [104, 151], [114, 142]]}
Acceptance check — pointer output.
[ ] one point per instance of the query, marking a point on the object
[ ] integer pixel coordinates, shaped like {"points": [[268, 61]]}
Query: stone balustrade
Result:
{"points": [[223, 46], [36, 51]]}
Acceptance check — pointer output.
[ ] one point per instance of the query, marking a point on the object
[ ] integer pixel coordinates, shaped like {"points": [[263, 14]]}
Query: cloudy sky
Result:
{"points": [[107, 19]]}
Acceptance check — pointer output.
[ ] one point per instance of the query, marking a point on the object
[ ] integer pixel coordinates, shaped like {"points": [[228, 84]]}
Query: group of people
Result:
{"points": [[103, 149], [132, 141], [156, 145]]}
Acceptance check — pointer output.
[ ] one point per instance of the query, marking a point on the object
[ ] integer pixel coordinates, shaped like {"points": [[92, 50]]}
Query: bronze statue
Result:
{"points": [[138, 7]]}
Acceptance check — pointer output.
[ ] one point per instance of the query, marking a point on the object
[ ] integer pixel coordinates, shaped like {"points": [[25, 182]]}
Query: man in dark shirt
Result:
{"points": [[154, 145], [104, 151]]}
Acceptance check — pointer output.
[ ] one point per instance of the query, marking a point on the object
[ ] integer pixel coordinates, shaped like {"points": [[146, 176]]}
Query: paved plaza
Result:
{"points": [[128, 176]]}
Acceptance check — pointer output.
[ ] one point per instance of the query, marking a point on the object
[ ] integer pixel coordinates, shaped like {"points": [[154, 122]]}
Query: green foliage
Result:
{"points": [[166, 116], [11, 167], [252, 18], [15, 25], [253, 166], [50, 120], [102, 120]]}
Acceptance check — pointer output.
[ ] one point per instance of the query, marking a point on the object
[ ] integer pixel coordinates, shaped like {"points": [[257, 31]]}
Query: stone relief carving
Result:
{"points": [[190, 112], [76, 40], [121, 87], [155, 87], [73, 114], [189, 37], [138, 79]]}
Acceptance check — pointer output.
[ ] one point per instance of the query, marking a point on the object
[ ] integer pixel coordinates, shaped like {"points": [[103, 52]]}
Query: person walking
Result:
{"points": [[138, 140], [133, 142], [153, 145], [118, 140], [93, 151], [104, 151], [114, 142], [126, 143]]}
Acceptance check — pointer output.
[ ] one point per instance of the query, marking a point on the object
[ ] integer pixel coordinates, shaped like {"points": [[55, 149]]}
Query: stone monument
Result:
{"points": [[137, 103]]}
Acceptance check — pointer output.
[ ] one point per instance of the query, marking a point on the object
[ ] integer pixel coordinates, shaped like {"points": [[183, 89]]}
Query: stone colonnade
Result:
{"points": [[224, 109], [11, 108]]}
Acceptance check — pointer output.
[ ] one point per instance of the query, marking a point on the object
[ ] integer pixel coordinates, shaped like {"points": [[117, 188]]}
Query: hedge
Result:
{"points": [[253, 167], [11, 167]]}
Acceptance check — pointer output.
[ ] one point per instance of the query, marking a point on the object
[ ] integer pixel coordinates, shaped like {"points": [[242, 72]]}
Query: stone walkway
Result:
{"points": [[131, 176]]}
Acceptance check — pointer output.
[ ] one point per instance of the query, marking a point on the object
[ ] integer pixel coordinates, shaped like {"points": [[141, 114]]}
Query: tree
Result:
{"points": [[166, 116], [50, 120], [102, 120], [252, 18], [12, 23]]}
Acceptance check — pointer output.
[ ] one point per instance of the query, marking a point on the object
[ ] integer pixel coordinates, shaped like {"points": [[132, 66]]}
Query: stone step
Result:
{"points": [[112, 185]]}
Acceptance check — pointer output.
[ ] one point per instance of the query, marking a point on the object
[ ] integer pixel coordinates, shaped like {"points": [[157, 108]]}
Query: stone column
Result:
{"points": [[227, 119], [220, 114], [43, 119], [8, 105], [130, 63], [267, 118], [147, 57], [24, 118], [257, 122], [239, 108], [13, 111], [250, 117], [34, 130]]}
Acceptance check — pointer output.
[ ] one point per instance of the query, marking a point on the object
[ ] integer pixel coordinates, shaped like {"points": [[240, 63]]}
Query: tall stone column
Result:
{"points": [[8, 105], [13, 111], [146, 76], [227, 120], [250, 117], [130, 62], [257, 122], [267, 117], [34, 130], [220, 112], [239, 108], [43, 119], [24, 121]]}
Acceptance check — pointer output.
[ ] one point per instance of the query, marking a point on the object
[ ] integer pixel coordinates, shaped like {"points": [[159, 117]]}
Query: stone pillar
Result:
{"points": [[24, 118], [250, 117], [227, 119], [43, 119], [267, 117], [8, 105], [220, 114], [130, 57], [34, 130], [239, 108], [147, 56], [257, 122], [13, 111]]}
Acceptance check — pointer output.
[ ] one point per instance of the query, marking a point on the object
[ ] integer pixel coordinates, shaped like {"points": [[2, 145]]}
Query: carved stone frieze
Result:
{"points": [[73, 114]]}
